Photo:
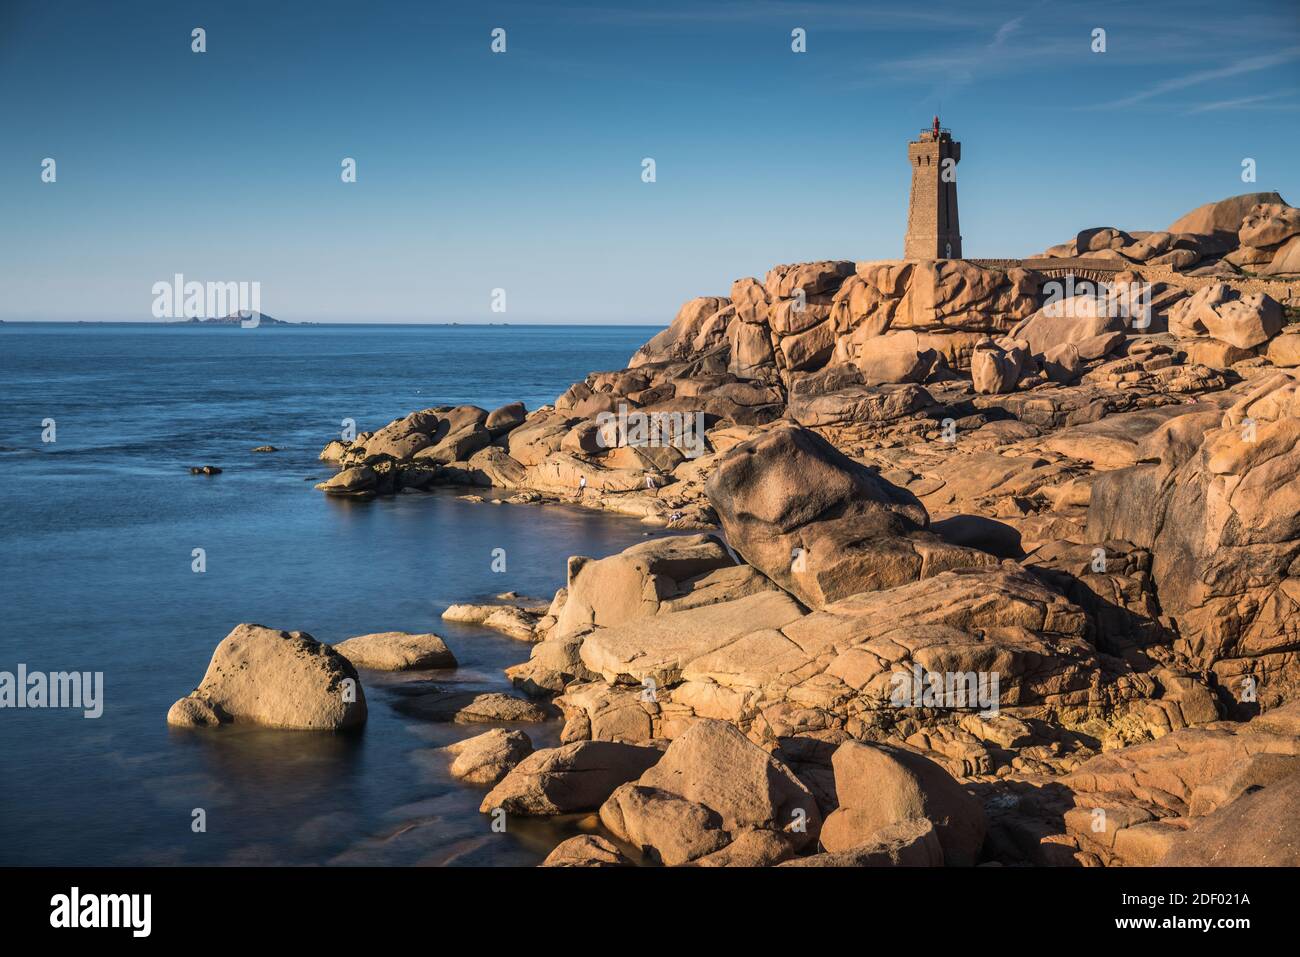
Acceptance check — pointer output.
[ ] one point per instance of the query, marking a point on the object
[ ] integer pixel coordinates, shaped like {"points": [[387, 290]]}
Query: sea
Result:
{"points": [[100, 424]]}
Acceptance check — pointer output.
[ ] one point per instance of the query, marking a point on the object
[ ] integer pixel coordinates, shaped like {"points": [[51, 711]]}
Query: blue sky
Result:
{"points": [[522, 170]]}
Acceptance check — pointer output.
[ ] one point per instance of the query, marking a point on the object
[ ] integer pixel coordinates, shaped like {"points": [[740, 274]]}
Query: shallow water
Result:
{"points": [[96, 549]]}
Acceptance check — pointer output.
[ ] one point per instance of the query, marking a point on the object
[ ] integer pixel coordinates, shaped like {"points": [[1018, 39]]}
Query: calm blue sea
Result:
{"points": [[95, 563]]}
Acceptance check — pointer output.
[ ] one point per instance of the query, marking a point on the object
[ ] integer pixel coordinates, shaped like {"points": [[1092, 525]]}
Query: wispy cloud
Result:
{"points": [[1004, 33], [1248, 65], [1239, 103]]}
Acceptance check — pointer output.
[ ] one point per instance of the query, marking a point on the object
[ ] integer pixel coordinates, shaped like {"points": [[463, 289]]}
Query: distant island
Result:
{"points": [[239, 318]]}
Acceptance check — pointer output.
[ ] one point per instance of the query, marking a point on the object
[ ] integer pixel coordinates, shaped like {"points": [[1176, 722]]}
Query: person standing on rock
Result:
{"points": [[582, 485]]}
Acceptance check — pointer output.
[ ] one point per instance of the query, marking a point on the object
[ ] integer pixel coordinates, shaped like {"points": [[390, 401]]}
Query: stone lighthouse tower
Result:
{"points": [[933, 230]]}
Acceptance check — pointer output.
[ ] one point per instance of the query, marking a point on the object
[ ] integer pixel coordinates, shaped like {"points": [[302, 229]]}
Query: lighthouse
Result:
{"points": [[933, 229]]}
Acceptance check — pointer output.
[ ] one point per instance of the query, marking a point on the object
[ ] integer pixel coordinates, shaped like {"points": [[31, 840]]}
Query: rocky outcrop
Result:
{"points": [[1259, 829], [276, 679], [974, 564], [860, 667], [1217, 507]]}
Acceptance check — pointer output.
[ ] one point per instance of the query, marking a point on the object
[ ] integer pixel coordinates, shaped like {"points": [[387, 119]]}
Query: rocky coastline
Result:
{"points": [[963, 571]]}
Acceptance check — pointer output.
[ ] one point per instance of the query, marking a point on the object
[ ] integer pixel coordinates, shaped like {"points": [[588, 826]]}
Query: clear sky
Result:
{"points": [[522, 170]]}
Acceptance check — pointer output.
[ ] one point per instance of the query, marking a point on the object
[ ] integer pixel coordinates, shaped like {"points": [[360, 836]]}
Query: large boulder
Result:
{"points": [[1285, 261], [1223, 216], [996, 367], [845, 400], [711, 789], [1100, 238], [1224, 313], [894, 357], [786, 281], [572, 777], [879, 786], [669, 829], [460, 433], [819, 524], [751, 349], [276, 679], [358, 479], [501, 420], [403, 437]]}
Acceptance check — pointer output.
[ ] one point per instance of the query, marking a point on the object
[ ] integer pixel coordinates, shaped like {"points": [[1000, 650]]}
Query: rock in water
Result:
{"points": [[397, 651], [487, 758], [470, 707], [277, 679]]}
